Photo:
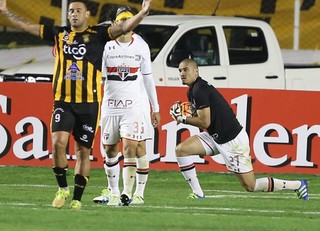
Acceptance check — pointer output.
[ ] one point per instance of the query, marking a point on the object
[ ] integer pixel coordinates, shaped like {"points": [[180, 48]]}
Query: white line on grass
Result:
{"points": [[17, 204], [212, 209], [226, 193], [222, 194], [228, 209], [28, 185]]}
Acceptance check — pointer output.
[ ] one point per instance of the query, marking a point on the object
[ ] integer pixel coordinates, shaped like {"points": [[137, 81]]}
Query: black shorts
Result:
{"points": [[79, 118]]}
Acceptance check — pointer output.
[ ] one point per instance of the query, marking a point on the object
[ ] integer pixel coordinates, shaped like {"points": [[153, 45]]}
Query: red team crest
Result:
{"points": [[123, 72]]}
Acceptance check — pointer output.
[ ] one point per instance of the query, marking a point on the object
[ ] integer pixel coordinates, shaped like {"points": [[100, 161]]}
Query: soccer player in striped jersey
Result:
{"points": [[76, 87]]}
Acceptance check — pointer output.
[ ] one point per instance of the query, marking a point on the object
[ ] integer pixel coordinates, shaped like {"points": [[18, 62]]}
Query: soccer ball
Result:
{"points": [[187, 109]]}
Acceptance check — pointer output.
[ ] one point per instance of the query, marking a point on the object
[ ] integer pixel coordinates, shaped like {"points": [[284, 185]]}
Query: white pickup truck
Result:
{"points": [[232, 52]]}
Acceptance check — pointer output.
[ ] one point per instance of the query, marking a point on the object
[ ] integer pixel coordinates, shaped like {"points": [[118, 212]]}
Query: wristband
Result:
{"points": [[182, 119]]}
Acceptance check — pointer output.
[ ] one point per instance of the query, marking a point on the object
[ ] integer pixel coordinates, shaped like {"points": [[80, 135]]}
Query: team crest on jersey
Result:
{"points": [[86, 38], [123, 72], [65, 36]]}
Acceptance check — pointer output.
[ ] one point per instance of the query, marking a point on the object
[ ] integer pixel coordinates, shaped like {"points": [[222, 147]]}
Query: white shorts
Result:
{"points": [[236, 153], [131, 126]]}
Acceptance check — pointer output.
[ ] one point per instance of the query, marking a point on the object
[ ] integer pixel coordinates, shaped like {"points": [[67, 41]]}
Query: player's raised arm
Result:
{"points": [[18, 21], [130, 24]]}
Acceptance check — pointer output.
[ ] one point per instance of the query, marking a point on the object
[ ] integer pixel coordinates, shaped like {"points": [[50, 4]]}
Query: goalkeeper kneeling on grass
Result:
{"points": [[222, 134]]}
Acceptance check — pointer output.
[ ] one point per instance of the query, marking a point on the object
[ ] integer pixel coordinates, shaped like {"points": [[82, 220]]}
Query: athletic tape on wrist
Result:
{"points": [[182, 119]]}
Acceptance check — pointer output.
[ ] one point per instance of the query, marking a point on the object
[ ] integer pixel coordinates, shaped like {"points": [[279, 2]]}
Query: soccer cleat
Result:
{"points": [[137, 200], [60, 198], [302, 191], [125, 200], [104, 197], [114, 200], [75, 205], [195, 196]]}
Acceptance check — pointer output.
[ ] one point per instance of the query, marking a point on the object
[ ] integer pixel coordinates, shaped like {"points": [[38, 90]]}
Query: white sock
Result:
{"points": [[128, 175], [188, 170], [112, 170], [142, 175], [268, 184]]}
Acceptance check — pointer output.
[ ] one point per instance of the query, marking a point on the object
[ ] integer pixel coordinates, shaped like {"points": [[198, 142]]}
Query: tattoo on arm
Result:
{"points": [[15, 18]]}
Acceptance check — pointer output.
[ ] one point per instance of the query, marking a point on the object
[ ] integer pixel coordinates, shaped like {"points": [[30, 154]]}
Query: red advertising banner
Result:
{"points": [[283, 126]]}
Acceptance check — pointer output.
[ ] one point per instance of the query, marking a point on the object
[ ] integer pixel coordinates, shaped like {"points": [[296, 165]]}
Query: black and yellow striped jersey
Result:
{"points": [[77, 71]]}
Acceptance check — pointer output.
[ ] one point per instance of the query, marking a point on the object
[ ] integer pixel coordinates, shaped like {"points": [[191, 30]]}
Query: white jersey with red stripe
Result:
{"points": [[123, 67]]}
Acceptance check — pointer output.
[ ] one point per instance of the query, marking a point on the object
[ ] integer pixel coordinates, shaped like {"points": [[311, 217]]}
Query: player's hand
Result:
{"points": [[155, 119], [146, 5], [175, 110], [176, 113], [3, 5]]}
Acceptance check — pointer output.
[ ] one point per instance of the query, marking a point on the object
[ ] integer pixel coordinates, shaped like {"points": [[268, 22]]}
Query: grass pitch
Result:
{"points": [[26, 194]]}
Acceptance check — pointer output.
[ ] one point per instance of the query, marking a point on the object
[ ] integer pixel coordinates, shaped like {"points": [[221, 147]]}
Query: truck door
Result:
{"points": [[252, 64], [200, 44]]}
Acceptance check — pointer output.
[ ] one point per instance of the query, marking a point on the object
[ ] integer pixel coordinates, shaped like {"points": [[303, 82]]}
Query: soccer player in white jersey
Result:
{"points": [[125, 114]]}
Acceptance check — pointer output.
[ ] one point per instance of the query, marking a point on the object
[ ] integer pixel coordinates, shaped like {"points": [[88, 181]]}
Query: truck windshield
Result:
{"points": [[156, 36]]}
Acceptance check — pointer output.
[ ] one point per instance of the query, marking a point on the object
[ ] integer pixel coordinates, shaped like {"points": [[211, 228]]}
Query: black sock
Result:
{"points": [[79, 186], [61, 176]]}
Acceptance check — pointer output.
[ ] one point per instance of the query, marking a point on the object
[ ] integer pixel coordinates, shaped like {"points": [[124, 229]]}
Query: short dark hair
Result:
{"points": [[84, 2]]}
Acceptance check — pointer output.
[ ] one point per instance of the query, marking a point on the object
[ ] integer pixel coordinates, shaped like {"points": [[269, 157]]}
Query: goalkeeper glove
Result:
{"points": [[175, 112]]}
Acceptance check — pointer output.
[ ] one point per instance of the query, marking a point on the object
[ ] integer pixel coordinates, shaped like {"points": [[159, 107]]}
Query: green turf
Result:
{"points": [[26, 194]]}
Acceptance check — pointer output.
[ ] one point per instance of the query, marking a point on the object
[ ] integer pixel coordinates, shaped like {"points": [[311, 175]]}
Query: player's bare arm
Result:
{"points": [[202, 120], [18, 21], [130, 24]]}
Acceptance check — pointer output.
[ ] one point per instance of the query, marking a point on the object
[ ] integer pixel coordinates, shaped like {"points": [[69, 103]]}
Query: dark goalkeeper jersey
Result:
{"points": [[224, 125], [77, 71]]}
